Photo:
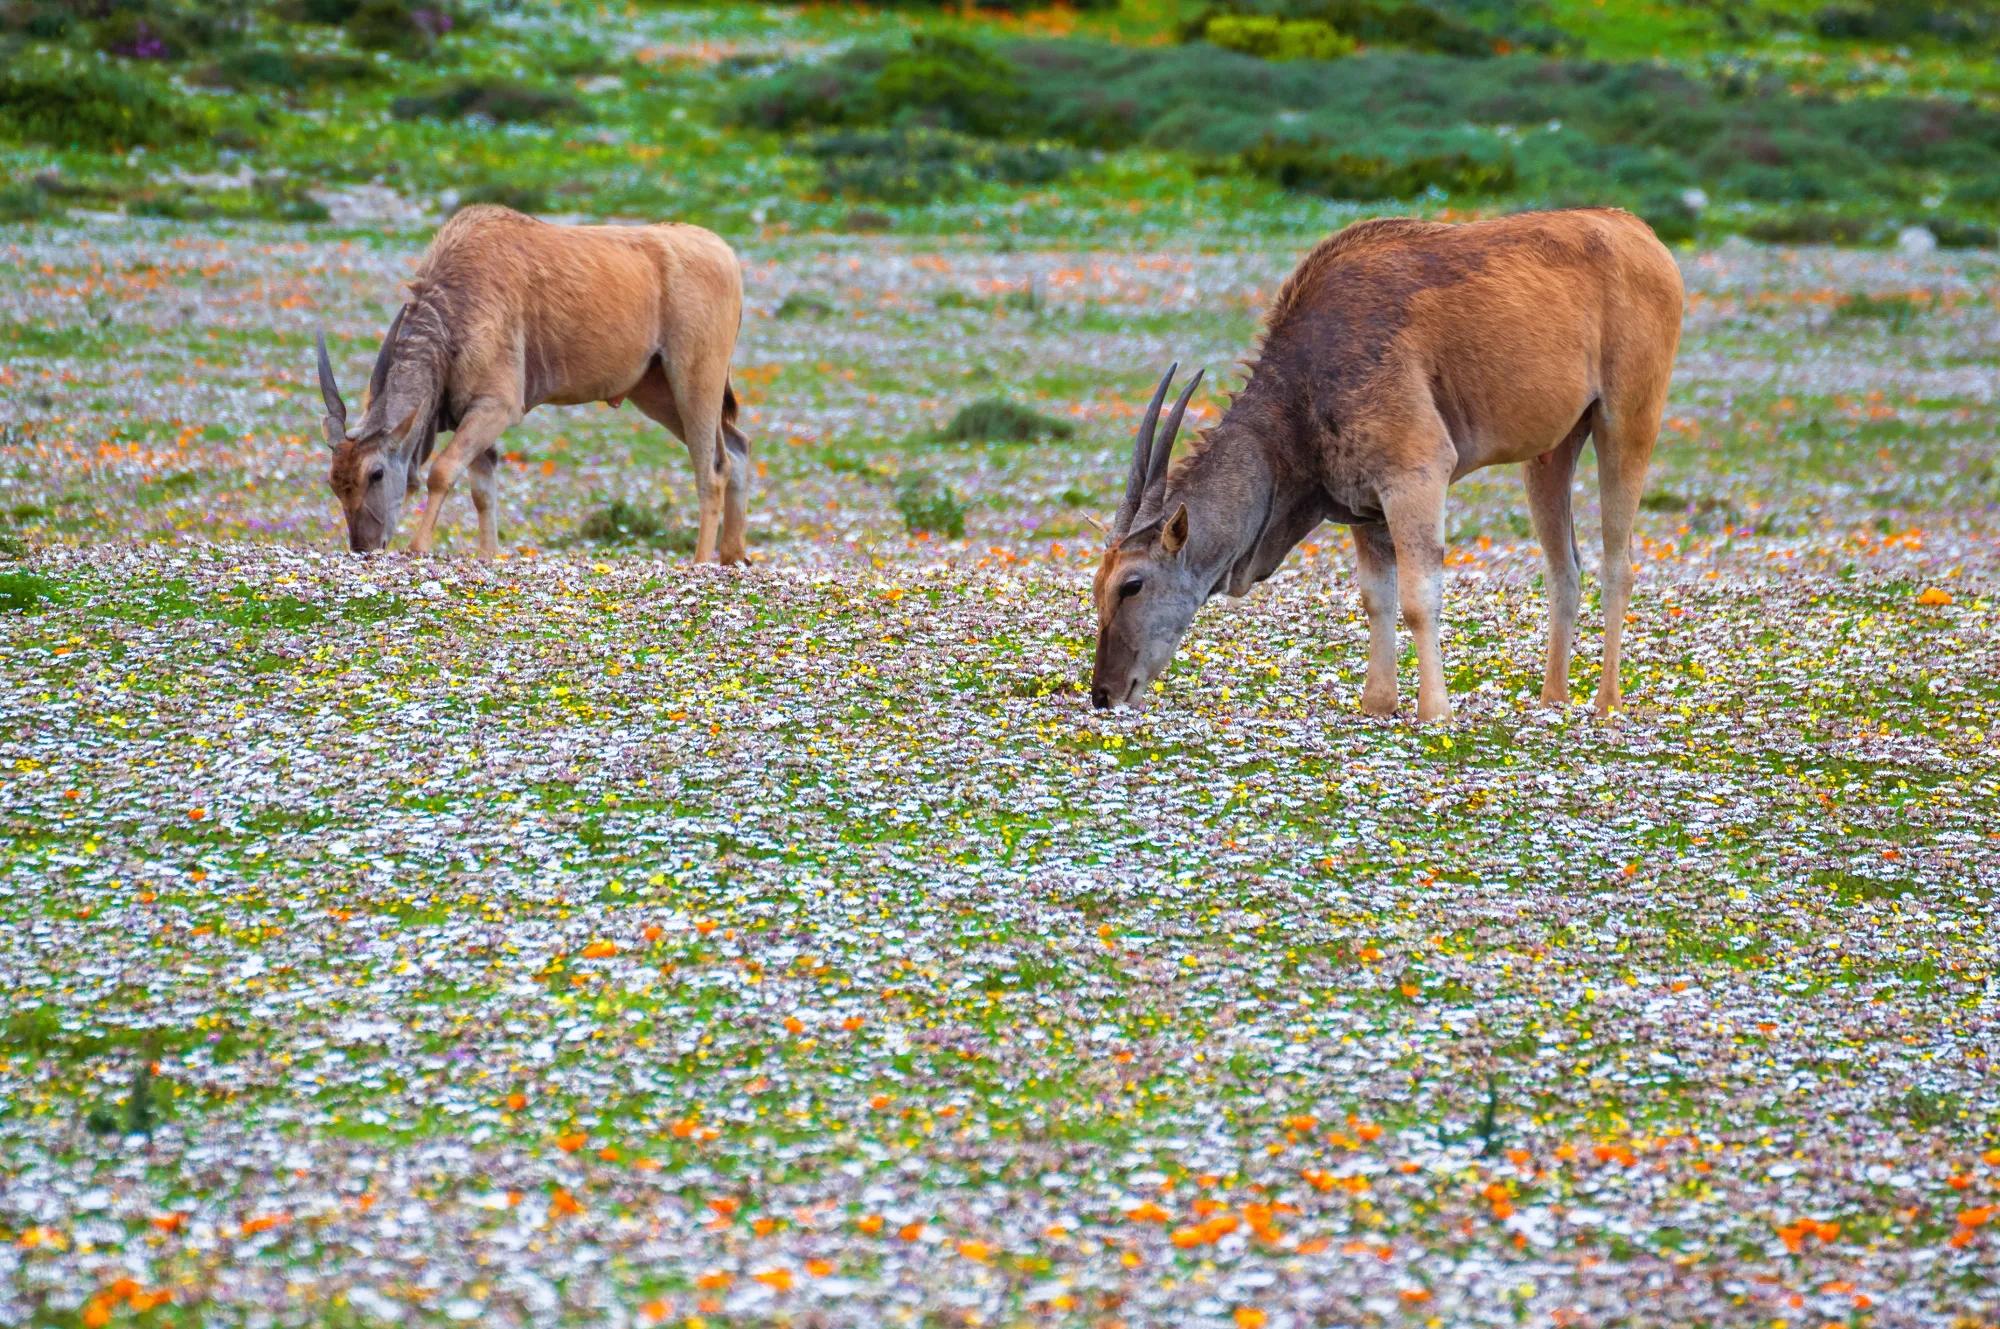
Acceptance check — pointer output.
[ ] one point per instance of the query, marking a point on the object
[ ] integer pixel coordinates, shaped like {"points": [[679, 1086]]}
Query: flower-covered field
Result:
{"points": [[589, 938]]}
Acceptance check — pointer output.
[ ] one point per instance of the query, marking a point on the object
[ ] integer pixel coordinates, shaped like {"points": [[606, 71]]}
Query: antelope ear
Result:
{"points": [[1174, 533]]}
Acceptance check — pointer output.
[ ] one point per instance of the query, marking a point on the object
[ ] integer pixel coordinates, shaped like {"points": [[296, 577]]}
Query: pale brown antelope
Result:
{"points": [[1399, 356], [507, 313]]}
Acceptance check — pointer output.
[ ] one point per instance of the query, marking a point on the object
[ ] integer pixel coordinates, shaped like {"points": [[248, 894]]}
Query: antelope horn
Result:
{"points": [[378, 377], [329, 392], [1135, 479], [1163, 446]]}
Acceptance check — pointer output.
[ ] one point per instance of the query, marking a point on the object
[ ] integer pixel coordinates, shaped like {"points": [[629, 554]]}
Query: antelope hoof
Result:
{"points": [[1554, 695], [1436, 711], [1379, 703]]}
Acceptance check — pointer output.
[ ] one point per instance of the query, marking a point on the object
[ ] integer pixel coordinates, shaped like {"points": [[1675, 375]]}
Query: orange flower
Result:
{"points": [[819, 1268], [1147, 1212], [600, 950], [169, 1222], [653, 932], [572, 1142], [714, 1281], [562, 1204], [794, 1025], [870, 1224], [1301, 1122], [1979, 1217], [1249, 1317], [975, 1250], [1934, 595], [724, 1205], [781, 1279], [911, 1231], [516, 1101]]}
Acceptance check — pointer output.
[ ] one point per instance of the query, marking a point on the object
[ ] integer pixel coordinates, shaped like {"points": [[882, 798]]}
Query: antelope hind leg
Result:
{"points": [[1547, 479]]}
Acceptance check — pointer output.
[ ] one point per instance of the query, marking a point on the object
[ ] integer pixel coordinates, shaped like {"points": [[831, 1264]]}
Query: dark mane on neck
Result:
{"points": [[1306, 276]]}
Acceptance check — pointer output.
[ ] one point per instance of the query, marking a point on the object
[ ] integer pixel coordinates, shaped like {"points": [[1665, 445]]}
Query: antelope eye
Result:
{"points": [[1131, 587], [375, 476]]}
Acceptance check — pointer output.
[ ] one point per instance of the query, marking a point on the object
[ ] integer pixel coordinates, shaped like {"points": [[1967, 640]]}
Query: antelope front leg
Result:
{"points": [[1415, 514], [1375, 570], [478, 430], [484, 494]]}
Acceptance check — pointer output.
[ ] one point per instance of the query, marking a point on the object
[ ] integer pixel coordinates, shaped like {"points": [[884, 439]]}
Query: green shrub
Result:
{"points": [[910, 165], [1952, 233], [1278, 38], [1670, 216], [630, 524], [1448, 28], [23, 592], [927, 505], [1810, 228], [398, 27], [83, 106], [283, 198], [1897, 310], [940, 81], [1321, 168], [503, 103], [21, 201], [1973, 24], [273, 67], [804, 304], [998, 420]]}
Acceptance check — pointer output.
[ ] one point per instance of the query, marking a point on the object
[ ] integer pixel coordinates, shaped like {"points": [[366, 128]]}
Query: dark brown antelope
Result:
{"points": [[507, 313], [1399, 356]]}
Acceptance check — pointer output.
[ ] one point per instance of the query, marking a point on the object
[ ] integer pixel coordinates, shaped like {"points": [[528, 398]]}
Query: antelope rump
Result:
{"points": [[1399, 356], [508, 313]]}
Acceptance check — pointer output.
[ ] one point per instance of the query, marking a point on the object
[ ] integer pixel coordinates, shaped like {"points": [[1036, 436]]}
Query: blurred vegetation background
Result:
{"points": [[1784, 120]]}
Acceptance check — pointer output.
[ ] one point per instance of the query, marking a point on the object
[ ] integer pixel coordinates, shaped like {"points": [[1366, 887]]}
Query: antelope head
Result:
{"points": [[1145, 591], [378, 462]]}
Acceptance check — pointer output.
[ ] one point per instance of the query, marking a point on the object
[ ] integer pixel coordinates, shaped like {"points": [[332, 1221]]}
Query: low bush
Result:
{"points": [[909, 165], [1963, 24], [503, 103], [21, 201], [804, 304], [631, 524], [272, 67], [928, 506], [398, 27], [940, 81], [1278, 38], [1811, 228], [998, 420], [1448, 28], [1322, 168], [23, 592], [83, 106]]}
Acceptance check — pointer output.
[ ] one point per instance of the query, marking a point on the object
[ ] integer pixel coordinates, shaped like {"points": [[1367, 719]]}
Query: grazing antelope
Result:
{"points": [[507, 313], [1399, 356]]}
